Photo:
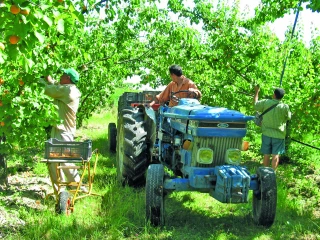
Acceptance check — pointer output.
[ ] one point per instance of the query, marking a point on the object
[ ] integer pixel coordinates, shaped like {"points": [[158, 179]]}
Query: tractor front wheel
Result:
{"points": [[265, 198], [155, 195]]}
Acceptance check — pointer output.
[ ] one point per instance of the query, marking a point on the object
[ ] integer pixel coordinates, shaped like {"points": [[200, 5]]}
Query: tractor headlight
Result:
{"points": [[205, 156], [233, 156], [193, 123]]}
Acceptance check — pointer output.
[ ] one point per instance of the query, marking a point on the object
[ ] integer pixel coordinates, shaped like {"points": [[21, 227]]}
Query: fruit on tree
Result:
{"points": [[14, 9], [60, 1], [1, 124], [1, 81], [84, 67], [21, 83], [25, 11], [14, 39], [2, 47], [1, 103]]}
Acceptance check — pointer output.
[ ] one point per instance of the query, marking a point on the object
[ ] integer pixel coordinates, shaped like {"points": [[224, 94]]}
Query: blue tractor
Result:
{"points": [[188, 147]]}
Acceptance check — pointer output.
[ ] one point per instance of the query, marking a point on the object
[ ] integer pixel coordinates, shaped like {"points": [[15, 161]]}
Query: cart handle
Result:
{"points": [[96, 151]]}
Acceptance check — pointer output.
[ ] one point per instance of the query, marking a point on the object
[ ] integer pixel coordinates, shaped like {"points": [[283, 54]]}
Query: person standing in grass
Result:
{"points": [[273, 125], [66, 97], [179, 82]]}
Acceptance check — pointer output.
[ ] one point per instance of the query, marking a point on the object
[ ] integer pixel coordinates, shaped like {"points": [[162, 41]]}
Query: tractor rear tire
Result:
{"points": [[121, 173], [63, 206], [132, 150], [265, 199], [112, 137], [3, 171], [155, 195]]}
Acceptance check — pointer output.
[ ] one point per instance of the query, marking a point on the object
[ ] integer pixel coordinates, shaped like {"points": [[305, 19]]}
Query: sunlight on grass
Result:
{"points": [[119, 213], [40, 169]]}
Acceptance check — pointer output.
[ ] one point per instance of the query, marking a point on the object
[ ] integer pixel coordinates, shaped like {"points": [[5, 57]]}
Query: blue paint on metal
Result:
{"points": [[254, 185], [227, 183], [179, 126], [232, 185], [177, 184], [217, 132], [191, 109]]}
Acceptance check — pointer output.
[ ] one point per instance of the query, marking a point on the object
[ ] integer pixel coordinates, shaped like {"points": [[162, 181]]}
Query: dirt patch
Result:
{"points": [[24, 190]]}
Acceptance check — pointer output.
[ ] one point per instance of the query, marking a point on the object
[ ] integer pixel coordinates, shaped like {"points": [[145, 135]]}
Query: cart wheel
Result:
{"points": [[112, 136], [63, 206], [265, 200], [154, 195]]}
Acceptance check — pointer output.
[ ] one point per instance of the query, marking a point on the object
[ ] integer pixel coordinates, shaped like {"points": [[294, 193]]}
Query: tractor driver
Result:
{"points": [[179, 83]]}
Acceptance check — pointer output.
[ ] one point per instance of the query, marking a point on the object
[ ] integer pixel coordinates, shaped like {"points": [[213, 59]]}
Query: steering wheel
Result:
{"points": [[190, 94]]}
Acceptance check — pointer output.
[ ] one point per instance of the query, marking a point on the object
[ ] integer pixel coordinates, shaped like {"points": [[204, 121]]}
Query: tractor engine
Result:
{"points": [[196, 135]]}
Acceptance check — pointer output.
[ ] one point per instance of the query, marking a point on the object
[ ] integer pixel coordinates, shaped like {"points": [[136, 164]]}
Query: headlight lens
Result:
{"points": [[233, 156], [205, 156]]}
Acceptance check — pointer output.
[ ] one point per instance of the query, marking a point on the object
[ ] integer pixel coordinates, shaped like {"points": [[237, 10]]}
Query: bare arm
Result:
{"points": [[195, 89], [49, 79], [256, 94], [154, 101]]}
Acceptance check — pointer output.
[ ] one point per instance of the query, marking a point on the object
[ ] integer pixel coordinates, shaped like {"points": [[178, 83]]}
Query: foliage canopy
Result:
{"points": [[226, 58]]}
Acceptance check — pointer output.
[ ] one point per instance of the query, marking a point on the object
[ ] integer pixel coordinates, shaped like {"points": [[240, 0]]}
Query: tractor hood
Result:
{"points": [[191, 109], [204, 121]]}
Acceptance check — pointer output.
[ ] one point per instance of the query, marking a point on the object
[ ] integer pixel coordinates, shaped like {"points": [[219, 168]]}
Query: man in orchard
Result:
{"points": [[179, 82], [66, 97], [273, 125]]}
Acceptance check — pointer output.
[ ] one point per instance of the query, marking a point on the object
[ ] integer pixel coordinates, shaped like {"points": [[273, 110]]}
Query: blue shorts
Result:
{"points": [[272, 145]]}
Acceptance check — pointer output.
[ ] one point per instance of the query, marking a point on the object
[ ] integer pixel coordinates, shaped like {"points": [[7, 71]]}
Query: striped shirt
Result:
{"points": [[274, 121]]}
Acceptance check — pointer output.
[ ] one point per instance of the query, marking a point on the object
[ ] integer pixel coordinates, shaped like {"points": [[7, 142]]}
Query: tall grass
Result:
{"points": [[120, 212]]}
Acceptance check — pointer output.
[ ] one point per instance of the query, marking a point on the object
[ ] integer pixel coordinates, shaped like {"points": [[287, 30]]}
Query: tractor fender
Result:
{"points": [[151, 122]]}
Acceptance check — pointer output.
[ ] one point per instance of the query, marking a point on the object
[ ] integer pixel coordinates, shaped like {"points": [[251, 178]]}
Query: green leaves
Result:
{"points": [[40, 37], [225, 59], [2, 59], [27, 64], [60, 26], [47, 20]]}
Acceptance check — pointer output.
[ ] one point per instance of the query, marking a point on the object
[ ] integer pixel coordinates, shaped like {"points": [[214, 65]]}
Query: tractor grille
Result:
{"points": [[219, 145]]}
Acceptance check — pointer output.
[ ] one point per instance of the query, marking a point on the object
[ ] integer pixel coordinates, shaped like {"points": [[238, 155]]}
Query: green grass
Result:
{"points": [[120, 212]]}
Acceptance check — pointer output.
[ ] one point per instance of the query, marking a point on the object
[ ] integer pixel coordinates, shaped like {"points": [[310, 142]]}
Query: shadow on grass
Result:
{"points": [[184, 222], [191, 221], [120, 214], [31, 194]]}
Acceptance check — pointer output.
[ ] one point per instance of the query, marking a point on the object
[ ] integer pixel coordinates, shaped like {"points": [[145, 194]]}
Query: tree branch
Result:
{"points": [[240, 74]]}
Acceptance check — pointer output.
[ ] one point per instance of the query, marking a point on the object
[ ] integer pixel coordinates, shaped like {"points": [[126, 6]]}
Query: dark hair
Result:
{"points": [[279, 93], [176, 70]]}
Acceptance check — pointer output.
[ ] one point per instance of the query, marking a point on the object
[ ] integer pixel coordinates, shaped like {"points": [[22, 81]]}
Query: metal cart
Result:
{"points": [[79, 153]]}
